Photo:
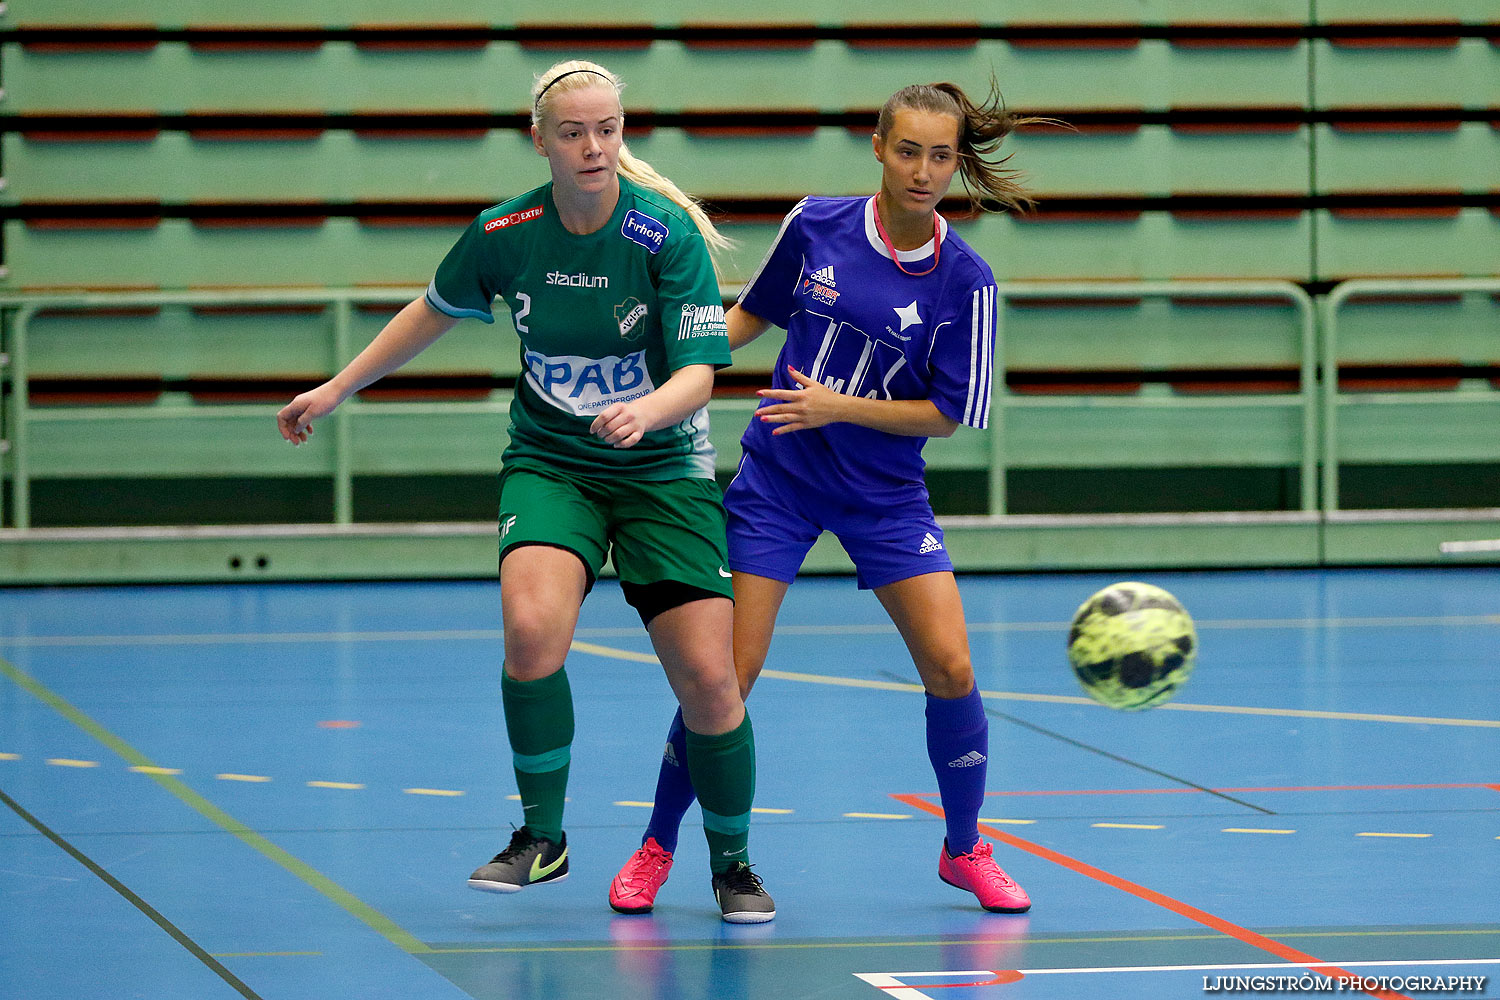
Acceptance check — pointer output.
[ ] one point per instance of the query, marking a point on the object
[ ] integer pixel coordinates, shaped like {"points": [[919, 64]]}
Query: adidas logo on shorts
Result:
{"points": [[971, 759], [929, 544]]}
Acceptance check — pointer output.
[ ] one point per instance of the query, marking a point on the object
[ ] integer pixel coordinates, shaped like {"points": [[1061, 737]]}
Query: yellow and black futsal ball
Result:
{"points": [[1132, 646]]}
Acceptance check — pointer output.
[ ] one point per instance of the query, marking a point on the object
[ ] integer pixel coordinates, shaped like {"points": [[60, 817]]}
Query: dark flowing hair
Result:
{"points": [[990, 186]]}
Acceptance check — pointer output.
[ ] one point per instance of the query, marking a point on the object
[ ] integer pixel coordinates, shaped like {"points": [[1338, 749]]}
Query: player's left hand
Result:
{"points": [[811, 405], [620, 424]]}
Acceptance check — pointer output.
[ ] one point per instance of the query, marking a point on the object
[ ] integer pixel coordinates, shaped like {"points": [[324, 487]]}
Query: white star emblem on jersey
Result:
{"points": [[908, 315]]}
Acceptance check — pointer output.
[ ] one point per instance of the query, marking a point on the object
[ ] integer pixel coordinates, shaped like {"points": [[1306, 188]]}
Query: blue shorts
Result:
{"points": [[773, 521]]}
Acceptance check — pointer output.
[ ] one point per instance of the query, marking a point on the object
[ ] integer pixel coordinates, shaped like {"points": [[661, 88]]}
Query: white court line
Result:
{"points": [[890, 982]]}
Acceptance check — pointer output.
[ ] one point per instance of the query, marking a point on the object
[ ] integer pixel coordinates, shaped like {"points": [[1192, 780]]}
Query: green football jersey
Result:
{"points": [[603, 318]]}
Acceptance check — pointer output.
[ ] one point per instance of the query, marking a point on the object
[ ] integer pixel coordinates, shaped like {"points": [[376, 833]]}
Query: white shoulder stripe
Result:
{"points": [[796, 211], [989, 354], [973, 358], [442, 305], [981, 357]]}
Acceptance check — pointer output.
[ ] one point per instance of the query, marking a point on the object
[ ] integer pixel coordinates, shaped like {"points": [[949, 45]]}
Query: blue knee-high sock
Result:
{"points": [[674, 788], [958, 742]]}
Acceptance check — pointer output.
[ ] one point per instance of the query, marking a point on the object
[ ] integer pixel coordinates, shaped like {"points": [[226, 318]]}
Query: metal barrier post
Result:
{"points": [[1336, 298], [20, 404], [343, 435]]}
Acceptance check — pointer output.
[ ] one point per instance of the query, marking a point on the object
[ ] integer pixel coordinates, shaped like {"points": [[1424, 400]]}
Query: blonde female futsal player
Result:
{"points": [[890, 331], [611, 287]]}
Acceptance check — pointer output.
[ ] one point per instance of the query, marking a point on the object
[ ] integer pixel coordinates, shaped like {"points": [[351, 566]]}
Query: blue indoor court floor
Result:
{"points": [[278, 791]]}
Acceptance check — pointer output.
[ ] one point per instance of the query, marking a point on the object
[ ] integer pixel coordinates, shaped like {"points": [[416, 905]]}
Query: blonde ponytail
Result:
{"points": [[647, 176], [575, 74]]}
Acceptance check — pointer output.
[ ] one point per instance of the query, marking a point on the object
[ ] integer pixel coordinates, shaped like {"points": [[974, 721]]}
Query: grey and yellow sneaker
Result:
{"points": [[529, 860], [742, 898]]}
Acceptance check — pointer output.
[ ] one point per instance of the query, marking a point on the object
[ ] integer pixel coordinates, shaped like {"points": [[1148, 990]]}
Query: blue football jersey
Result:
{"points": [[856, 323]]}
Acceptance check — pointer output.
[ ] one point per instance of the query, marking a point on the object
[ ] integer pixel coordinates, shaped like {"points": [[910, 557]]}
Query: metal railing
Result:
{"points": [[1338, 297], [26, 307], [1292, 293], [1318, 396]]}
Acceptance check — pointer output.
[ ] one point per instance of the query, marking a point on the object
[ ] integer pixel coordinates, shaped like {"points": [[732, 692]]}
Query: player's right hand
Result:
{"points": [[295, 419]]}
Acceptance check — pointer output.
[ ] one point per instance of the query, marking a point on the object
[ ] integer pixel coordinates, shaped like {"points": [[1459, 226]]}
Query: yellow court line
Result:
{"points": [[613, 653], [1411, 836], [10, 756], [1060, 699], [350, 903], [447, 792], [637, 805], [70, 762], [253, 778], [152, 769], [350, 785], [770, 812], [1128, 826], [878, 815], [1252, 829], [1011, 822]]}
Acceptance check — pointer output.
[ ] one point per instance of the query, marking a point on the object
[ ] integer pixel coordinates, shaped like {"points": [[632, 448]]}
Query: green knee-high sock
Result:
{"points": [[539, 720], [723, 772]]}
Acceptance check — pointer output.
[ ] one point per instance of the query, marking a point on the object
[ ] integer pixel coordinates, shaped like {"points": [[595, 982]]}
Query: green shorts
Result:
{"points": [[657, 531]]}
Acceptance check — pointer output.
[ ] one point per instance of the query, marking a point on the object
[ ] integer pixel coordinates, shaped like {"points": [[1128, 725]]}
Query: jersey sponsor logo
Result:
{"points": [[584, 386], [852, 362], [702, 321], [824, 275], [514, 218], [628, 315], [579, 280], [820, 292], [648, 232]]}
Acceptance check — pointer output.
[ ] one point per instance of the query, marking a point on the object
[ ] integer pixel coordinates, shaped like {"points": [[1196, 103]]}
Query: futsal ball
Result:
{"points": [[1132, 646]]}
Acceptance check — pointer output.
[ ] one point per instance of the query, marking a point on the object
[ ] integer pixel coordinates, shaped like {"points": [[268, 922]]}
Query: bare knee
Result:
{"points": [[535, 644], [948, 677]]}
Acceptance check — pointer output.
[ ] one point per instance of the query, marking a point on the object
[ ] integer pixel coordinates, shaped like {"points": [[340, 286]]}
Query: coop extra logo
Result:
{"points": [[514, 218]]}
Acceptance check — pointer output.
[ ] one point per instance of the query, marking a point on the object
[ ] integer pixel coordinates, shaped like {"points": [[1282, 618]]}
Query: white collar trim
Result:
{"points": [[922, 252]]}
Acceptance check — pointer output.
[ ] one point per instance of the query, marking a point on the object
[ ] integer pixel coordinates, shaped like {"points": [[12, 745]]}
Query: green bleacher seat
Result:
{"points": [[1456, 156], [1463, 74], [339, 165], [1437, 242], [180, 13], [341, 77]]}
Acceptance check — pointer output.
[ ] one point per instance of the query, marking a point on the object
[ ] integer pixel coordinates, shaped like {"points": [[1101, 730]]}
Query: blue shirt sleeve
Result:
{"points": [[961, 359], [771, 291]]}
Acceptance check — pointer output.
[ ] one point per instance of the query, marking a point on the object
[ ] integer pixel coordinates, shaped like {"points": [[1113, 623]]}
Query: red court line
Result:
{"points": [[1204, 791], [1177, 906]]}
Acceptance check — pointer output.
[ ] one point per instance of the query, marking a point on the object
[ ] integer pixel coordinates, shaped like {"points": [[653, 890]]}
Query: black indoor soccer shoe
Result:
{"points": [[529, 860], [742, 899]]}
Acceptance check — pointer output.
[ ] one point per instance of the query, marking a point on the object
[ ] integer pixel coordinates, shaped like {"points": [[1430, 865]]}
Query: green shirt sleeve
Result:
{"points": [[466, 281], [692, 310]]}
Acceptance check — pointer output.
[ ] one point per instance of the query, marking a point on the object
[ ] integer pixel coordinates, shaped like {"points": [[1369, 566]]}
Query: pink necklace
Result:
{"points": [[937, 243]]}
